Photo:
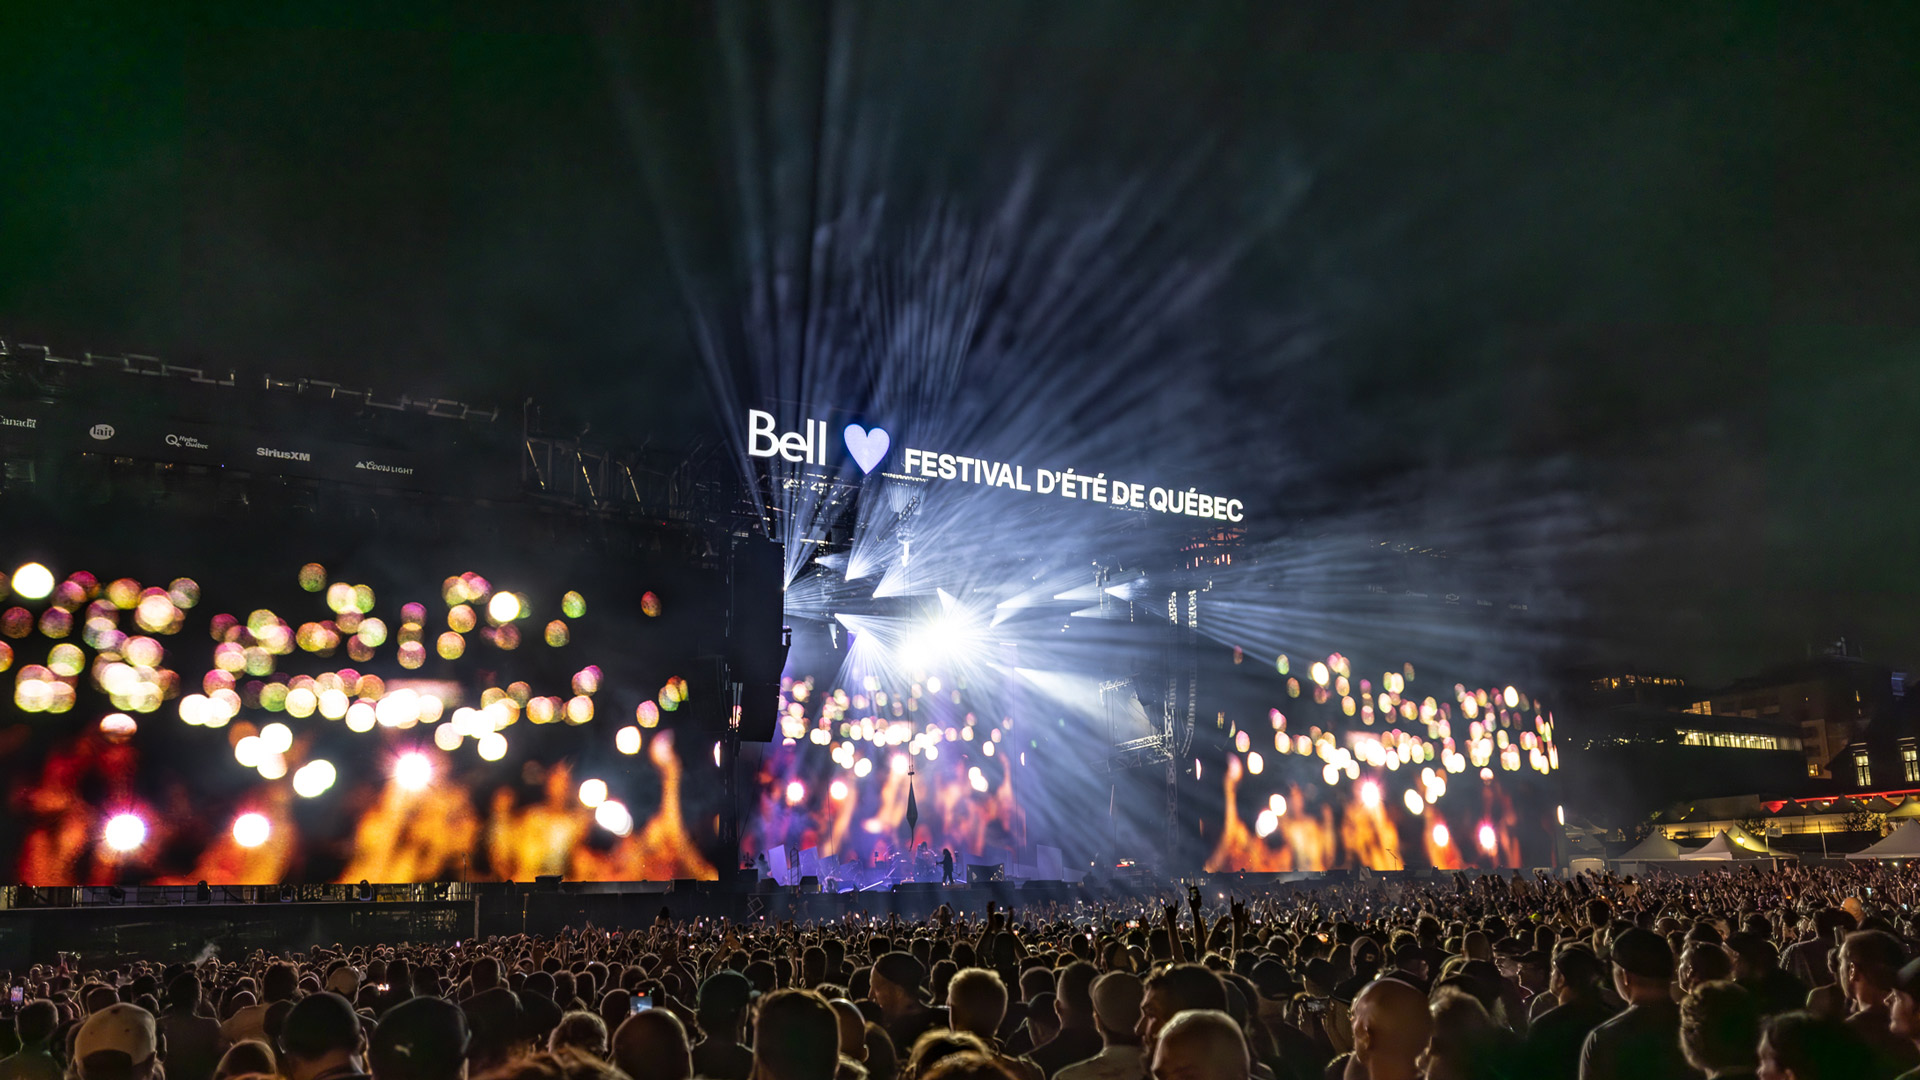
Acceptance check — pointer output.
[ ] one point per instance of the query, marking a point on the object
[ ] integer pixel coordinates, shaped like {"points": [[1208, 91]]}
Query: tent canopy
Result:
{"points": [[1654, 848], [1720, 849], [1902, 843]]}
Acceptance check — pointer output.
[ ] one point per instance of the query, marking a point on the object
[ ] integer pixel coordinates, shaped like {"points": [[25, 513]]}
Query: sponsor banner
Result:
{"points": [[472, 462], [24, 422]]}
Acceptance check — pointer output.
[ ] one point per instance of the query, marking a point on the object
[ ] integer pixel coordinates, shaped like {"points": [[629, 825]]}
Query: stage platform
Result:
{"points": [[104, 925]]}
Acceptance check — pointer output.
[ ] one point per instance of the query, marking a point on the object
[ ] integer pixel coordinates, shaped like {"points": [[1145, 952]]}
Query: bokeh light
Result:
{"points": [[125, 833], [251, 830], [118, 727], [614, 817], [33, 582], [573, 605], [627, 740], [504, 607], [413, 771], [313, 778], [593, 793]]}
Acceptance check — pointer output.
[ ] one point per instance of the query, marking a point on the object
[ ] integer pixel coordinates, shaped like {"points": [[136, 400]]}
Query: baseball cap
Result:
{"points": [[422, 1038], [320, 1024], [725, 993], [1643, 953], [345, 981], [1908, 980], [903, 970], [122, 1027]]}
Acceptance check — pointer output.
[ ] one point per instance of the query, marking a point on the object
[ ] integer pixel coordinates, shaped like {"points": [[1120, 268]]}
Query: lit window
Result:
{"points": [[1910, 762], [1862, 774]]}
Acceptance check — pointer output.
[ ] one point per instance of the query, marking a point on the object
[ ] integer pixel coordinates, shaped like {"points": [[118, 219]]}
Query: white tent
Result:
{"points": [[1720, 849], [1654, 848], [1902, 843], [1744, 839]]}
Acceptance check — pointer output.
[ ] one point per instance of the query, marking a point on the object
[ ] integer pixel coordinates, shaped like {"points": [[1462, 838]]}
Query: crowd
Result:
{"points": [[1800, 973]]}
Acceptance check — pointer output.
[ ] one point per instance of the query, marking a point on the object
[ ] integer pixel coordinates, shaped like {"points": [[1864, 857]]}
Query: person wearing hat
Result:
{"points": [[1116, 1013], [420, 1039], [898, 984], [118, 1042], [1903, 1010], [721, 1007], [1643, 1042], [322, 1040], [1555, 1037]]}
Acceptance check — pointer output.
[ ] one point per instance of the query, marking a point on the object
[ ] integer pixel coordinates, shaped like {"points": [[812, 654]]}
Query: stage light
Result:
{"points": [[976, 779], [627, 740], [1331, 773], [1415, 804], [251, 830], [862, 767], [492, 746], [1511, 697], [125, 832], [716, 753], [504, 607], [1278, 804], [796, 791], [313, 778], [1441, 838], [593, 793], [249, 751], [277, 738], [118, 727], [614, 817], [899, 764], [272, 767], [1266, 823], [1370, 795], [1560, 814], [413, 771], [1255, 763], [361, 718], [1488, 839], [32, 581], [837, 790]]}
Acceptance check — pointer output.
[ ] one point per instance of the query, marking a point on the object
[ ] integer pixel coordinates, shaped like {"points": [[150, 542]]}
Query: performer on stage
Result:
{"points": [[946, 866]]}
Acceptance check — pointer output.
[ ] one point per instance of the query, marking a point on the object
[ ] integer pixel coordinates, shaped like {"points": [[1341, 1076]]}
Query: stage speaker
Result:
{"points": [[756, 633], [546, 883], [810, 883], [984, 873]]}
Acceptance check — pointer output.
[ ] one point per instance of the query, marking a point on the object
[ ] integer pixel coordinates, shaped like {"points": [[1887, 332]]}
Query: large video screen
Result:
{"points": [[323, 693]]}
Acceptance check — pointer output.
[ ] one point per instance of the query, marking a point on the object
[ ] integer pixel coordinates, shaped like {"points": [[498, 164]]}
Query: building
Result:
{"points": [[1634, 748], [1827, 701]]}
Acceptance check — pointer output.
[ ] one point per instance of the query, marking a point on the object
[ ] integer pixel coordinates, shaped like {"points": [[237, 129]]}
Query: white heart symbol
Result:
{"points": [[868, 448]]}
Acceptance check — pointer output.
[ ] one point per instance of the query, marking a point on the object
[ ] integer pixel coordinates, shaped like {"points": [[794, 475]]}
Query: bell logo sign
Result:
{"points": [[764, 439], [808, 446]]}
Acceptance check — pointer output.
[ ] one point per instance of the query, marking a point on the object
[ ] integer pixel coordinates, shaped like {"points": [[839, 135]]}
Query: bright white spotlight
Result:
{"points": [[1266, 823], [313, 778], [125, 832], [1441, 838], [627, 740], [1370, 795], [413, 772], [504, 607], [614, 817], [837, 790], [796, 791], [593, 793], [1488, 839], [33, 581], [251, 830]]}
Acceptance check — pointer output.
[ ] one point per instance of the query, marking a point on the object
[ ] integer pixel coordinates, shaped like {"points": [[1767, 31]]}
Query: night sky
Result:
{"points": [[1628, 295]]}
